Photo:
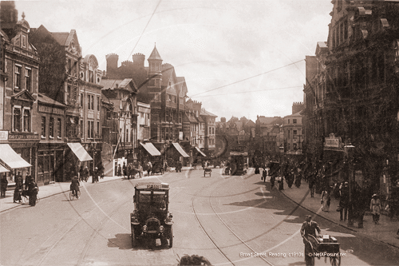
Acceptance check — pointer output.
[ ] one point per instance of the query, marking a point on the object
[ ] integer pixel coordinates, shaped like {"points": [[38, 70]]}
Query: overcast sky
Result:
{"points": [[239, 58]]}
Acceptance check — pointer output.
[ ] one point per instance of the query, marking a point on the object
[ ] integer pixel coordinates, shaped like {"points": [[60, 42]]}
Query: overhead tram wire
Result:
{"points": [[284, 88], [251, 77], [127, 100]]}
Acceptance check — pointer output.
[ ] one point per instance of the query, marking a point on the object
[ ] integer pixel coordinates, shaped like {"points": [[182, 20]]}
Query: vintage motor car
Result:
{"points": [[151, 218]]}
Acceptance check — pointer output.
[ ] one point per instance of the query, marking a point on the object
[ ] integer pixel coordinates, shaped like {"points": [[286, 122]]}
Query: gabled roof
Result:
{"points": [[296, 114], [250, 123], [206, 113], [60, 37], [118, 84], [267, 120], [154, 55], [238, 125], [47, 100]]}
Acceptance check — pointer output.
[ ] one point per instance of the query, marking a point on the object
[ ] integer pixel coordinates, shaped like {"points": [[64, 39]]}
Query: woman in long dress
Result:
{"points": [[375, 208], [325, 200]]}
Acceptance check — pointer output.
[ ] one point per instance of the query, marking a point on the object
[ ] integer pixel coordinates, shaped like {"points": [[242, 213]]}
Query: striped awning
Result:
{"points": [[203, 154], [3, 169], [80, 152], [180, 150], [150, 148], [11, 158]]}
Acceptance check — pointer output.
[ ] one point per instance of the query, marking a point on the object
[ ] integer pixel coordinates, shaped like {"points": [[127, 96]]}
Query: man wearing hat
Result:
{"points": [[344, 201], [308, 233], [375, 208]]}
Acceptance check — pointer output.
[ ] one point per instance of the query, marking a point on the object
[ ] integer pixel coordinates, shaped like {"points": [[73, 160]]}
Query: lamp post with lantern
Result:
{"points": [[349, 150]]}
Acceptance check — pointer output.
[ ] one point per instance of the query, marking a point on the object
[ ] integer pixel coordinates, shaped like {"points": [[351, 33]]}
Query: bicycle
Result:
{"points": [[73, 195]]}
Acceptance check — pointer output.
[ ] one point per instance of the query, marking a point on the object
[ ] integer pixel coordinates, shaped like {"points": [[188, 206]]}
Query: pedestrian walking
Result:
{"points": [[81, 173], [4, 185], [149, 168], [129, 171], [86, 173], [325, 199], [344, 201], [375, 208], [33, 190], [124, 169], [119, 170], [312, 185], [18, 188], [140, 169]]}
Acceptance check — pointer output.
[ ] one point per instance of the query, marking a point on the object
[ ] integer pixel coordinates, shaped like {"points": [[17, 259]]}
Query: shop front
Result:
{"points": [[50, 163], [15, 163], [148, 152], [75, 157], [174, 154]]}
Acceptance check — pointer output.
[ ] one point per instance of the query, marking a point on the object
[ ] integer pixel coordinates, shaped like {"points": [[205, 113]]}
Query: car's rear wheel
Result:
{"points": [[171, 237], [134, 241]]}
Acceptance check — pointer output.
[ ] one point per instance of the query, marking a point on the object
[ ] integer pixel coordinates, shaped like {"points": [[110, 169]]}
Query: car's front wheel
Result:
{"points": [[170, 237], [134, 241]]}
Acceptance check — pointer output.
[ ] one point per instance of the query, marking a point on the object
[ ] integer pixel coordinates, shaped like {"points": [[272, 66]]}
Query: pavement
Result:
{"points": [[61, 187], [384, 231]]}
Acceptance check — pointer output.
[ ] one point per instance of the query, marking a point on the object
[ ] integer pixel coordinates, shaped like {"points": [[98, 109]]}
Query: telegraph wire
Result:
{"points": [[265, 90], [257, 75]]}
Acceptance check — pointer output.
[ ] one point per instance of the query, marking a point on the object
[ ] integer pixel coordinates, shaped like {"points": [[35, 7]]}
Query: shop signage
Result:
{"points": [[51, 110], [23, 136], [144, 110], [332, 141], [3, 135]]}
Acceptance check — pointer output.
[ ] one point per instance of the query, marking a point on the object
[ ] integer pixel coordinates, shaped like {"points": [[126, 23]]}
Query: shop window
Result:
{"points": [[28, 79], [43, 134], [17, 119], [27, 119], [18, 70]]}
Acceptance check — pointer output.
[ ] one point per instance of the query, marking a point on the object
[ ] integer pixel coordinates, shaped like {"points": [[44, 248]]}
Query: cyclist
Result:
{"points": [[74, 187]]}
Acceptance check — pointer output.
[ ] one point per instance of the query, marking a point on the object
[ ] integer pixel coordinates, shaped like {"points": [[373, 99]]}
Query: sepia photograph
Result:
{"points": [[207, 132]]}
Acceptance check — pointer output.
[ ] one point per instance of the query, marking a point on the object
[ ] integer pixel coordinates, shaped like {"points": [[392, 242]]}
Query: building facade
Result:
{"points": [[357, 93], [19, 119]]}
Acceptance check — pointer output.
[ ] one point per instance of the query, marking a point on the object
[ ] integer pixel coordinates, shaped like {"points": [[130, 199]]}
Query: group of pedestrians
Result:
{"points": [[29, 188], [130, 171]]}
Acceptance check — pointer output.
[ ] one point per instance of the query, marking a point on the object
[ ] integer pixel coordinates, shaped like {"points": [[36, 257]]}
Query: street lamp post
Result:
{"points": [[349, 148]]}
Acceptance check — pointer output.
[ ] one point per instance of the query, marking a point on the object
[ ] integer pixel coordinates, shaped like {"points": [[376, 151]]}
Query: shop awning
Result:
{"points": [[180, 150], [3, 169], [80, 152], [150, 148], [203, 154], [11, 158]]}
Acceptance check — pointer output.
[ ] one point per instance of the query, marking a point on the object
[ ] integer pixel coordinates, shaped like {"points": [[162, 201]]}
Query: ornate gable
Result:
{"points": [[72, 44], [24, 96]]}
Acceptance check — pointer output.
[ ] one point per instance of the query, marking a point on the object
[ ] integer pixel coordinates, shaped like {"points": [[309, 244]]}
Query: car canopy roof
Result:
{"points": [[152, 186]]}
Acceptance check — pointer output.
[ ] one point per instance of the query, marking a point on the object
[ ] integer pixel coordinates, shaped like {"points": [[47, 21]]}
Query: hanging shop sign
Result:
{"points": [[332, 142]]}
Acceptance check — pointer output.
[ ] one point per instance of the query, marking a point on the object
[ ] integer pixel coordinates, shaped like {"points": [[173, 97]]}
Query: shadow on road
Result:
{"points": [[123, 241]]}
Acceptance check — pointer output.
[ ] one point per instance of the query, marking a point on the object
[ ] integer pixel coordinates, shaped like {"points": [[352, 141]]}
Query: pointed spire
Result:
{"points": [[23, 15], [155, 55]]}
